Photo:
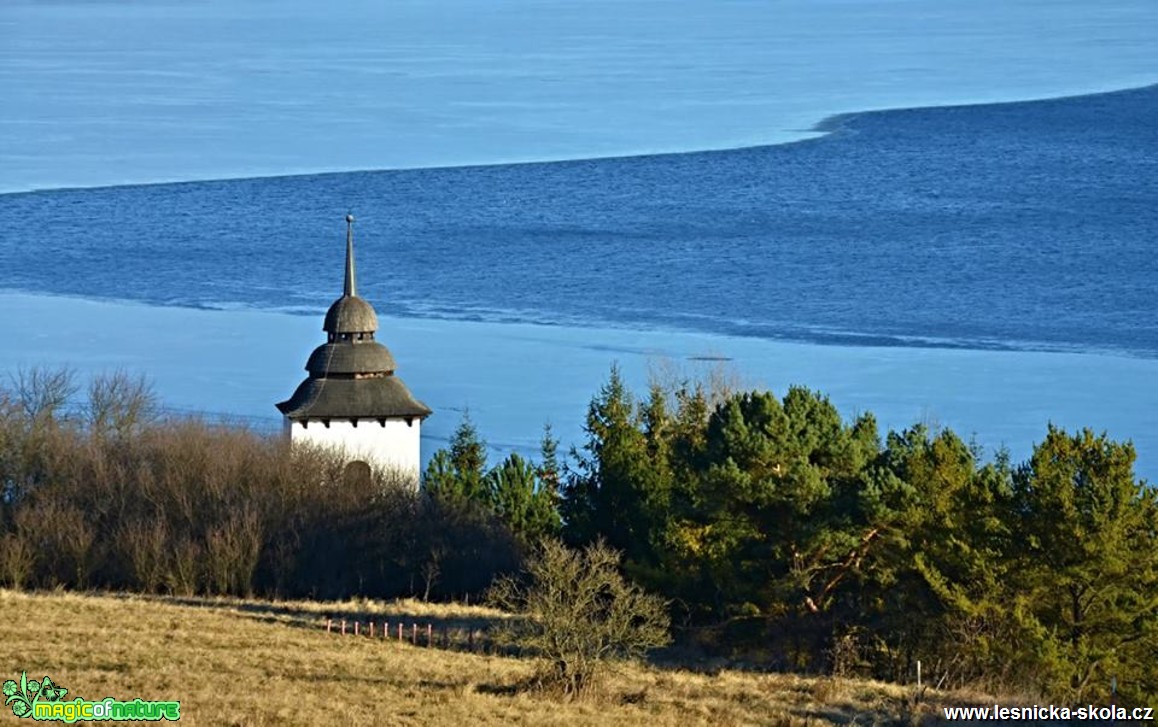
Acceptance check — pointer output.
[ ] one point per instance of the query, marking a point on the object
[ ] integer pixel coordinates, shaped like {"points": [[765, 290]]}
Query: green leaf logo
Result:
{"points": [[23, 697], [51, 692]]}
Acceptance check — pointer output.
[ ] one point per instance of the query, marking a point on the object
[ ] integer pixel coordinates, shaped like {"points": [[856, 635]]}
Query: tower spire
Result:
{"points": [[351, 287]]}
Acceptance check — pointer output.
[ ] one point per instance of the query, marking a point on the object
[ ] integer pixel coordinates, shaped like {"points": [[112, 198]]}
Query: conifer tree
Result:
{"points": [[1088, 563], [456, 474], [606, 494], [518, 497]]}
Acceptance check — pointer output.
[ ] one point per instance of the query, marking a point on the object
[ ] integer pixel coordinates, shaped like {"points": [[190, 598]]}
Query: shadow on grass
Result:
{"points": [[505, 690], [808, 701], [395, 622]]}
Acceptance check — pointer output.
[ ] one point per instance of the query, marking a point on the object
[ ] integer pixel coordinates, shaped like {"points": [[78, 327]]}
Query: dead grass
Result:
{"points": [[235, 662]]}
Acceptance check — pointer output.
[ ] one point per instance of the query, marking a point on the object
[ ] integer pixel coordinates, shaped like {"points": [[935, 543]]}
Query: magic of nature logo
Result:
{"points": [[45, 701]]}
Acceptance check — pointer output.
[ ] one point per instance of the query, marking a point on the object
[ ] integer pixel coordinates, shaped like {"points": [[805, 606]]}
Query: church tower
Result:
{"points": [[352, 398]]}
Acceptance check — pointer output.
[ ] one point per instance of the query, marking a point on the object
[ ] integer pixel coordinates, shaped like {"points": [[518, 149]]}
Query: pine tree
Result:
{"points": [[549, 466], [615, 491], [1088, 562], [456, 474], [518, 497]]}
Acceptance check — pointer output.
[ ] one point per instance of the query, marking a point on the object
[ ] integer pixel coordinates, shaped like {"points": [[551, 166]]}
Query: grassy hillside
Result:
{"points": [[254, 663]]}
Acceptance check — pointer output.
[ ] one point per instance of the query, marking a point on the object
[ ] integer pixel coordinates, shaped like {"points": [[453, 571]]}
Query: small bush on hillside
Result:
{"points": [[580, 614]]}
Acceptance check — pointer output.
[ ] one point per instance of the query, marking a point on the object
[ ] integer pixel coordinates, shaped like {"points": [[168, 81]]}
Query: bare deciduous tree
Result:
{"points": [[144, 544], [17, 560], [184, 574], [119, 403], [43, 393], [232, 551]]}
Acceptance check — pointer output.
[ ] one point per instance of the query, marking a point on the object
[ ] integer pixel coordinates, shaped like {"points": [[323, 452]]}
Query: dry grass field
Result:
{"points": [[233, 662]]}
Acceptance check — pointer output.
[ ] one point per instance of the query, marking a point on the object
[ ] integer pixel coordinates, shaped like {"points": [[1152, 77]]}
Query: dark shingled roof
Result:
{"points": [[358, 357], [349, 398], [352, 376]]}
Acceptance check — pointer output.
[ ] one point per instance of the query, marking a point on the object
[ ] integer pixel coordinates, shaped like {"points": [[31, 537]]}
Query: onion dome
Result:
{"points": [[351, 376], [350, 314]]}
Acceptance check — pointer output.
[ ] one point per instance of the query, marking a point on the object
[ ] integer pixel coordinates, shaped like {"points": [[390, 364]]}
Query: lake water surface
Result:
{"points": [[981, 255]]}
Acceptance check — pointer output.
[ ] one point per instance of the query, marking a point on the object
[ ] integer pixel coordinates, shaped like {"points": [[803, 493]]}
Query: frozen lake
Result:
{"points": [[102, 92], [516, 377], [988, 268]]}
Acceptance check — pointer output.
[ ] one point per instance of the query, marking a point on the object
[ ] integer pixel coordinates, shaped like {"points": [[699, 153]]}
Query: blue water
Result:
{"points": [[1027, 225]]}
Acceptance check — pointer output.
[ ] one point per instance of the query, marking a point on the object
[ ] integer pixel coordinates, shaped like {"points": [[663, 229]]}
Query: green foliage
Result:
{"points": [[522, 496], [456, 474], [576, 611], [620, 486], [521, 499], [1088, 563], [782, 477], [548, 471], [803, 539], [1043, 576], [939, 571]]}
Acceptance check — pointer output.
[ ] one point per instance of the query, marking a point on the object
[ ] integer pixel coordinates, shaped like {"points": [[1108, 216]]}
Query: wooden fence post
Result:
{"points": [[329, 624], [371, 629], [400, 631], [429, 635], [343, 627], [357, 624]]}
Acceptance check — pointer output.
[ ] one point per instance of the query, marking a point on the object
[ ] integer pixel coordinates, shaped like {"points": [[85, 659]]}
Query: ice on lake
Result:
{"points": [[514, 378], [112, 92]]}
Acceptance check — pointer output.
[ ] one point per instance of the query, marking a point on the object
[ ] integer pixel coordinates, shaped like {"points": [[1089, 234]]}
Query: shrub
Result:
{"points": [[104, 493], [577, 611]]}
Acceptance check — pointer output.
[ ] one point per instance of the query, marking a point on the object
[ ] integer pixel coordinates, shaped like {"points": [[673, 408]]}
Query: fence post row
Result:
{"points": [[448, 638]]}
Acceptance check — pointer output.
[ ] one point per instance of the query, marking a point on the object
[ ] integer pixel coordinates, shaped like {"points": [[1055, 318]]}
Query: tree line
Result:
{"points": [[780, 533], [786, 536], [98, 490]]}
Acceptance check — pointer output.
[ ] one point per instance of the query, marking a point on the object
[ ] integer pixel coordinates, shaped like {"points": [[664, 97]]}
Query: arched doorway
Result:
{"points": [[357, 473]]}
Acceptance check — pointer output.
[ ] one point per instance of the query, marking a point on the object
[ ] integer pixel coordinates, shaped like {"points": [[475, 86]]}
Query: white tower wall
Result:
{"points": [[352, 401], [393, 447]]}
